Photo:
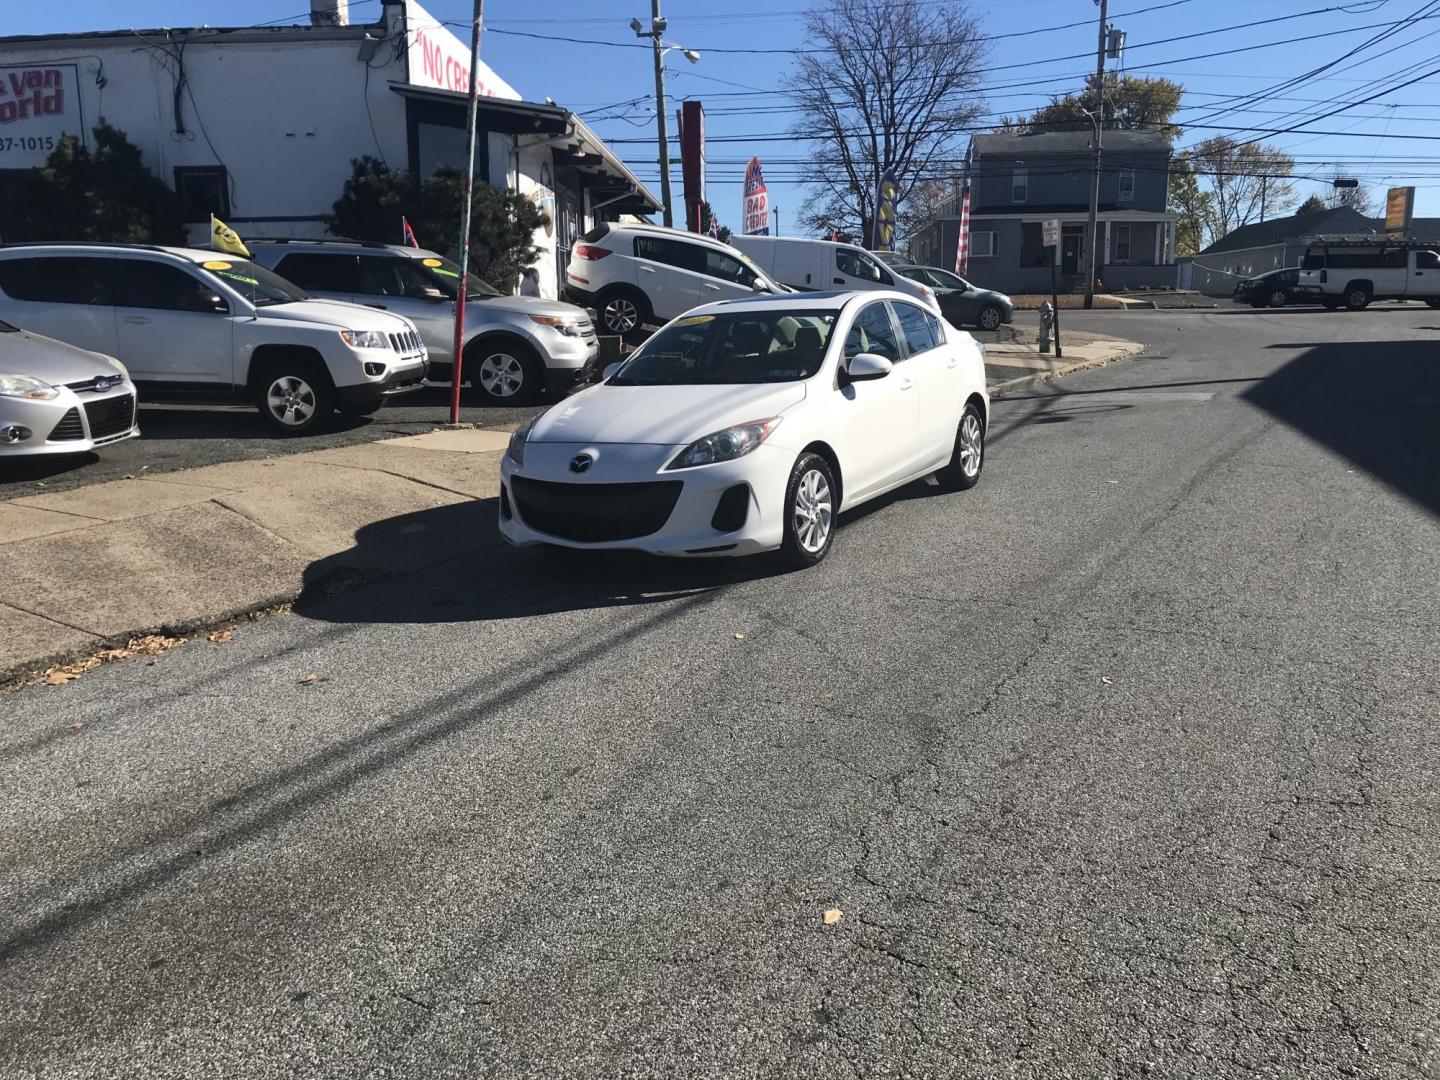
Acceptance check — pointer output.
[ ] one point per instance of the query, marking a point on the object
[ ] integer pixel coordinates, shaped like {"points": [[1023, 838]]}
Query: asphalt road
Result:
{"points": [[1122, 764]]}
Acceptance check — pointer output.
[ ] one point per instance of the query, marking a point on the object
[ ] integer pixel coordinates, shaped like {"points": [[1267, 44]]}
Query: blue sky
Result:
{"points": [[613, 87]]}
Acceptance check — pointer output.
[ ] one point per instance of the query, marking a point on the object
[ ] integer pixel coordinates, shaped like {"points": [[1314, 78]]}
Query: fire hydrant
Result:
{"points": [[1047, 322]]}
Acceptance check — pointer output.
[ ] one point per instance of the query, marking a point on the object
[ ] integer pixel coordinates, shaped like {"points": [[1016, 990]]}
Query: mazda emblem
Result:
{"points": [[581, 463]]}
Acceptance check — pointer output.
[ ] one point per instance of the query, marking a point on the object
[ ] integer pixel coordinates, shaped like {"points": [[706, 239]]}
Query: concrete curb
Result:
{"points": [[1127, 349]]}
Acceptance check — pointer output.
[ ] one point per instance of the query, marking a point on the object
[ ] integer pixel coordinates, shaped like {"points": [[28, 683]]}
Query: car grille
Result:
{"points": [[101, 384], [587, 330], [405, 342], [113, 416], [595, 513], [69, 428]]}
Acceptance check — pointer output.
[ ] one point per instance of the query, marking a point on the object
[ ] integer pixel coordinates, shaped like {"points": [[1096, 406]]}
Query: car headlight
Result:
{"points": [[25, 386], [733, 442], [516, 450], [557, 322], [365, 339]]}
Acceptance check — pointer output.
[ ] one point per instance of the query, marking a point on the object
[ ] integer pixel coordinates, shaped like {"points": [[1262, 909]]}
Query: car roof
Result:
{"points": [[661, 230], [331, 242], [72, 246], [805, 301]]}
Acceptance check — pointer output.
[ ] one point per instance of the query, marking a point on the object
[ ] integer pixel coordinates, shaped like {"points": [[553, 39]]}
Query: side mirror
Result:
{"points": [[866, 367], [216, 303], [759, 286], [431, 293], [610, 370]]}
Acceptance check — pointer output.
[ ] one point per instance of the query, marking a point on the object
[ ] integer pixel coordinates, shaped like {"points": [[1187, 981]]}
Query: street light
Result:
{"points": [[657, 28]]}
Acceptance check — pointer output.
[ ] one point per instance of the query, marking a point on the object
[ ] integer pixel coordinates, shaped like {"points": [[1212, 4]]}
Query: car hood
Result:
{"points": [[980, 294], [51, 361], [337, 313], [660, 415], [526, 305]]}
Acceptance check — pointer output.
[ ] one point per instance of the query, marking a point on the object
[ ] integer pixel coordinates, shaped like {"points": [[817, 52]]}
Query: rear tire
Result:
{"points": [[1357, 297], [809, 512], [503, 372], [989, 317], [962, 472], [295, 397], [1278, 298], [622, 311]]}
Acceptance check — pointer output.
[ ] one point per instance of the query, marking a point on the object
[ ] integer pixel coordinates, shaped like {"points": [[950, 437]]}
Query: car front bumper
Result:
{"points": [[594, 505], [404, 378], [73, 423]]}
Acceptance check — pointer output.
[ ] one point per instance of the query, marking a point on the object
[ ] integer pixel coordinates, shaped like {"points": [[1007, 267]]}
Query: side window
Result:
{"points": [[916, 329], [1395, 259], [320, 273], [873, 332], [1427, 260], [670, 252], [140, 283], [937, 331], [383, 275], [857, 265], [722, 266], [64, 280]]}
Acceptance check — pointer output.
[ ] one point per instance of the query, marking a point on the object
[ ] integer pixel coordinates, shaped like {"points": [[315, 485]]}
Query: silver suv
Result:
{"points": [[515, 346], [196, 325]]}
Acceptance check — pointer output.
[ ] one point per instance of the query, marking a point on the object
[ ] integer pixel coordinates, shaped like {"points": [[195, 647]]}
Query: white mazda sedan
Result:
{"points": [[747, 426]]}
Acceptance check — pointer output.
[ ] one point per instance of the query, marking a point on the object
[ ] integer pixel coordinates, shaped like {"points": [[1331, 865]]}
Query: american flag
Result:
{"points": [[962, 244], [407, 234]]}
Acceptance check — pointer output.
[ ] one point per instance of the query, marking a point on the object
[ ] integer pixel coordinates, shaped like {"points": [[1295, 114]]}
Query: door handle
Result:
{"points": [[904, 384], [713, 288], [135, 320], [953, 363], [647, 269], [839, 281]]}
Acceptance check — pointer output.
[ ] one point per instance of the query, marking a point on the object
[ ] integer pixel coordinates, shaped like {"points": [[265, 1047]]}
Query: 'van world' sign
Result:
{"points": [[39, 103]]}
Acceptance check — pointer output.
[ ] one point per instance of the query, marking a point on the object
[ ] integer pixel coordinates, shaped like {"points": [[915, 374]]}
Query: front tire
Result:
{"points": [[962, 472], [504, 373], [295, 397], [989, 317], [809, 512], [1278, 298]]}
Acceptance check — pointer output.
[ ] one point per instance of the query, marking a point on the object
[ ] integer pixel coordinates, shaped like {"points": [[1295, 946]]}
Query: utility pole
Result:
{"points": [[657, 26], [776, 212], [1099, 121], [1264, 181], [470, 112]]}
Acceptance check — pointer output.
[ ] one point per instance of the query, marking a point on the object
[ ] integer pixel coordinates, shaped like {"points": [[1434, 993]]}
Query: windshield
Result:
{"points": [[732, 347], [446, 276], [1312, 262], [260, 286]]}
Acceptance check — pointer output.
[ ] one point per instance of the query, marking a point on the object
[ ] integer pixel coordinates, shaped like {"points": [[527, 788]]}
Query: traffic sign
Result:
{"points": [[1050, 232]]}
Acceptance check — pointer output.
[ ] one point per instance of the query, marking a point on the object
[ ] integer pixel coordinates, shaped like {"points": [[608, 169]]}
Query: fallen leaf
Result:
{"points": [[77, 725], [1105, 679], [738, 637], [220, 637], [59, 678], [1112, 481], [304, 679], [832, 916], [128, 476]]}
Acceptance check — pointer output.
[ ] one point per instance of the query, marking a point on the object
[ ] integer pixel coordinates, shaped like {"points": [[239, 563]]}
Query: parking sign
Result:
{"points": [[1050, 232]]}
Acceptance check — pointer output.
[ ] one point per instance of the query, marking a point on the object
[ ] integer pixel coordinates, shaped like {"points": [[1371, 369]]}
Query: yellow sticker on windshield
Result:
{"points": [[430, 262], [217, 265], [694, 320]]}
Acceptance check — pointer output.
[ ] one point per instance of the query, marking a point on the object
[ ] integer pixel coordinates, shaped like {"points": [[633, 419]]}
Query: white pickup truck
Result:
{"points": [[1355, 272]]}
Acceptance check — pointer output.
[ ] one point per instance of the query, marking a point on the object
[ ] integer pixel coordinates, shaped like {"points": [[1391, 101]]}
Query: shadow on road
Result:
{"points": [[1373, 402]]}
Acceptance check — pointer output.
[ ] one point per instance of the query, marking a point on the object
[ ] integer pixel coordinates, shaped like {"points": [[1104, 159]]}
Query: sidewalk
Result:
{"points": [[94, 567], [1011, 366]]}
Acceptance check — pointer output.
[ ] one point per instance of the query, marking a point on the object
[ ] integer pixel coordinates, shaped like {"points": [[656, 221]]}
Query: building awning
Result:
{"points": [[609, 179]]}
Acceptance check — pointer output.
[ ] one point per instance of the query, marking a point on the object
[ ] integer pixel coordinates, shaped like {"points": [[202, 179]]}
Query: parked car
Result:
{"points": [[194, 325], [57, 399], [748, 425], [515, 346], [962, 303], [634, 275], [1354, 272], [1274, 289], [810, 265]]}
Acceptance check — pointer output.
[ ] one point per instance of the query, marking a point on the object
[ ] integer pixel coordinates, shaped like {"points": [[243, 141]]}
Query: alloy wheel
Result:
{"points": [[814, 511], [291, 401], [989, 319], [501, 375], [1277, 299], [620, 315], [971, 446]]}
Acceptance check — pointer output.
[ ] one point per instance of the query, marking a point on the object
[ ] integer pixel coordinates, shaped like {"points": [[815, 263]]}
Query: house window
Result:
{"points": [[1019, 186], [1122, 243], [203, 190], [1127, 185], [982, 245]]}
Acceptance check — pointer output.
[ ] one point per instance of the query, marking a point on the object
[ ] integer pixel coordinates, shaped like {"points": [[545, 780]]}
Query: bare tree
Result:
{"points": [[1243, 181], [893, 88]]}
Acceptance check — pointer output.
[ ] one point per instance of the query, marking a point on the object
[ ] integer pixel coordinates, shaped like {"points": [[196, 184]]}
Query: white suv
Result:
{"points": [[196, 325], [638, 274]]}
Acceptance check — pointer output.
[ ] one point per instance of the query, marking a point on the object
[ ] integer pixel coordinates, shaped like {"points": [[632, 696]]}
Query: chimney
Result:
{"points": [[329, 12]]}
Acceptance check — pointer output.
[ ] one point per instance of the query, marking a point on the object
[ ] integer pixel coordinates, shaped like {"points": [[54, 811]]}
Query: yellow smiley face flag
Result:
{"points": [[224, 238]]}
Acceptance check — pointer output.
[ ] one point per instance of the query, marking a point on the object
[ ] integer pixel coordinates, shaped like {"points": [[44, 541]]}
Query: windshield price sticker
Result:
{"points": [[217, 265], [430, 262], [695, 320]]}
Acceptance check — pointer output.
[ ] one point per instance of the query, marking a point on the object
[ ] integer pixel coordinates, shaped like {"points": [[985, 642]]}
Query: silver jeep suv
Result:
{"points": [[515, 346]]}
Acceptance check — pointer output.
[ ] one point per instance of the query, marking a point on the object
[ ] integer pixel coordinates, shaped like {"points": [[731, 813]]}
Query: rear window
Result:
{"points": [[52, 279], [595, 235]]}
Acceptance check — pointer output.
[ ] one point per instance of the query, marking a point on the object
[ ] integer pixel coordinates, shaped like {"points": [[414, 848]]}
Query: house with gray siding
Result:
{"points": [[1017, 181]]}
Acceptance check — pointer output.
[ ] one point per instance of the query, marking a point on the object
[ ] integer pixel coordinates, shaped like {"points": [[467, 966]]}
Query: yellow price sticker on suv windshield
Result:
{"points": [[430, 262], [217, 265], [695, 320]]}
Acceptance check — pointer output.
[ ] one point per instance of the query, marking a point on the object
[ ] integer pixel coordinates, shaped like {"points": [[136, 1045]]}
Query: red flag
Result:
{"points": [[962, 243], [408, 236]]}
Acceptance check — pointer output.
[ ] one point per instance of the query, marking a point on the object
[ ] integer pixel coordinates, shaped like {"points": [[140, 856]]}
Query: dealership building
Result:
{"points": [[259, 125]]}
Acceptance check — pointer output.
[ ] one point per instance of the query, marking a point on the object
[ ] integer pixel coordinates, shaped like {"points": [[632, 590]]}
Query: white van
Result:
{"points": [[823, 265], [1355, 271]]}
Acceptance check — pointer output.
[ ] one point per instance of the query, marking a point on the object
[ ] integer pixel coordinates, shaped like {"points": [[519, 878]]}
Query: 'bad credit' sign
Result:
{"points": [[38, 104]]}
